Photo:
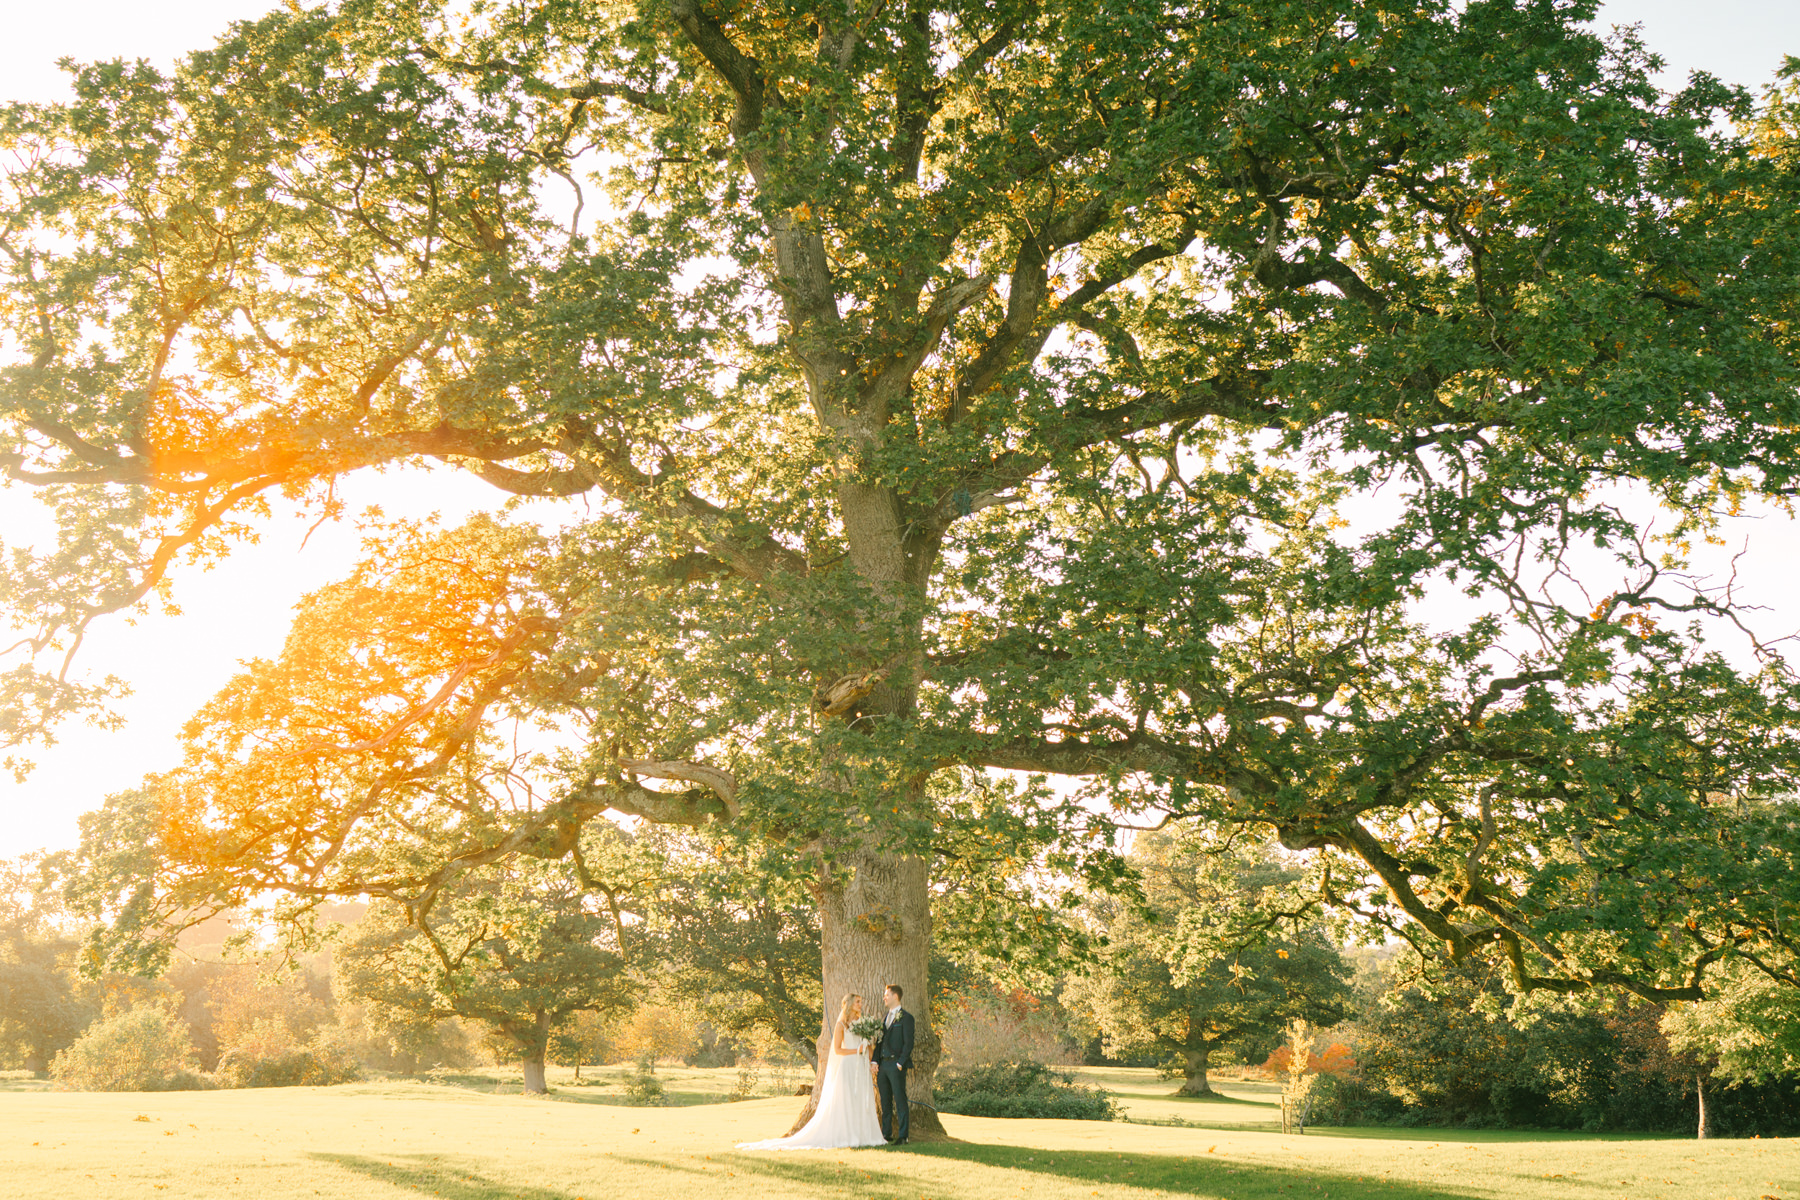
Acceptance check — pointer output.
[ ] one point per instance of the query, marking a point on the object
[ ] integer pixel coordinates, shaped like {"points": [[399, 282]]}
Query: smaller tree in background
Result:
{"points": [[654, 1031], [733, 929], [1301, 1078], [44, 1004], [1214, 959], [518, 949], [392, 1039], [999, 1024], [1456, 1047], [256, 1006], [583, 1038], [1747, 1030], [108, 885]]}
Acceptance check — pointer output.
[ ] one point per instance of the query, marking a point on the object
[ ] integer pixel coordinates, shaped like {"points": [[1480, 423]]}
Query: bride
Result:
{"points": [[846, 1115]]}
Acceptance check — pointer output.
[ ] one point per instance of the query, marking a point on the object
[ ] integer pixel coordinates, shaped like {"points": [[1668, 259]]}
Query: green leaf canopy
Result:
{"points": [[954, 387]]}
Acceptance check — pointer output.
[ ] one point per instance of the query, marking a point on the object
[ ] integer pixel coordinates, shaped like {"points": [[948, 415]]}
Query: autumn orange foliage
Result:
{"points": [[1336, 1060]]}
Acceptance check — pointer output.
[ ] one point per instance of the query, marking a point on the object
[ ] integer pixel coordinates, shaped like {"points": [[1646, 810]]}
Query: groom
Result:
{"points": [[893, 1059]]}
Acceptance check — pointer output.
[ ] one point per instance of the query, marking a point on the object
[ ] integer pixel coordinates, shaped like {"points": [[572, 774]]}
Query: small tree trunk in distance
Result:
{"points": [[1195, 1083], [38, 1065], [1705, 1130], [534, 1041], [533, 1069]]}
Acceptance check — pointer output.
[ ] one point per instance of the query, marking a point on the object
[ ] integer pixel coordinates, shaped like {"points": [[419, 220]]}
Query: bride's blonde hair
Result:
{"points": [[844, 1008]]}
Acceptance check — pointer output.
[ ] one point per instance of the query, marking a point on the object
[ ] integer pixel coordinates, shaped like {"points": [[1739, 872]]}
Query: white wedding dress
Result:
{"points": [[846, 1116]]}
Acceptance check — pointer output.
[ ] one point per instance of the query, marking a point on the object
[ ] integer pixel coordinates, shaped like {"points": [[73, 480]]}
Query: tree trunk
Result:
{"points": [[875, 929], [875, 905], [535, 1043], [534, 1075], [1195, 1084], [1705, 1130], [38, 1065]]}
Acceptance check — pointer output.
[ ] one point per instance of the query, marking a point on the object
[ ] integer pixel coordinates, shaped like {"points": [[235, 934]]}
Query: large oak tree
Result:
{"points": [[955, 386]]}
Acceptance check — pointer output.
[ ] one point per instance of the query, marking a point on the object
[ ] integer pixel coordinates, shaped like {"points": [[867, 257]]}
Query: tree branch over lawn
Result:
{"points": [[960, 389]]}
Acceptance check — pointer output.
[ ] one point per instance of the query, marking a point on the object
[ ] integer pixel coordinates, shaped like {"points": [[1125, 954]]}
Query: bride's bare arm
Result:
{"points": [[837, 1040]]}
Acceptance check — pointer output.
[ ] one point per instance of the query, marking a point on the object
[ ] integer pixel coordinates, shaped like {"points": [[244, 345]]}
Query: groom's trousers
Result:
{"points": [[896, 1114]]}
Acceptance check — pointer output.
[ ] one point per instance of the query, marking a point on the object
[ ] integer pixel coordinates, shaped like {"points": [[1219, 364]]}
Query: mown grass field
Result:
{"points": [[463, 1140]]}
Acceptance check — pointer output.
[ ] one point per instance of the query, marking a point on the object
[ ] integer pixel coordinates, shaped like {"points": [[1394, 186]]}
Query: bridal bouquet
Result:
{"points": [[867, 1028]]}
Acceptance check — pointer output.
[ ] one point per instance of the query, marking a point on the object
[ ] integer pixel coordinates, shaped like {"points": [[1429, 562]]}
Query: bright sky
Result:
{"points": [[239, 610]]}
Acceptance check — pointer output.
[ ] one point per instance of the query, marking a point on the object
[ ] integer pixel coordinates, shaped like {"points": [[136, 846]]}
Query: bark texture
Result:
{"points": [[1196, 1062], [875, 927], [533, 1069]]}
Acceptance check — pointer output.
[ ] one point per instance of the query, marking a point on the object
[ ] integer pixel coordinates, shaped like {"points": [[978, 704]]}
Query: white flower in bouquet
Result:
{"points": [[867, 1028]]}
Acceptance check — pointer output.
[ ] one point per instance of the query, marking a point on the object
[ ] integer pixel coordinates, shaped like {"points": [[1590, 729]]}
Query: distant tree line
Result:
{"points": [[1205, 957]]}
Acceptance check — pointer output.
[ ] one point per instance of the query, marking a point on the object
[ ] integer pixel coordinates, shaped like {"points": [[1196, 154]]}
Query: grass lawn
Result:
{"points": [[460, 1140]]}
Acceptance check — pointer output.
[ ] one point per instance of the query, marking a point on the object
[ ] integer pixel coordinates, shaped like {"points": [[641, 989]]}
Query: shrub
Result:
{"points": [[1022, 1088], [747, 1074], [641, 1087], [140, 1050], [1341, 1100], [267, 1055], [301, 1066], [1337, 1059]]}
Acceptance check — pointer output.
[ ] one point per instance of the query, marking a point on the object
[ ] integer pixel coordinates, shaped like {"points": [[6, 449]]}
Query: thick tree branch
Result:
{"points": [[589, 90], [1019, 330], [1240, 396], [741, 73], [723, 784]]}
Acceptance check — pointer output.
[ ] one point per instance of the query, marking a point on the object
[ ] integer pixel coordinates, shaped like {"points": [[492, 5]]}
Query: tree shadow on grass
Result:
{"points": [[437, 1176], [669, 1099], [876, 1173], [571, 1093], [1213, 1126], [1178, 1175]]}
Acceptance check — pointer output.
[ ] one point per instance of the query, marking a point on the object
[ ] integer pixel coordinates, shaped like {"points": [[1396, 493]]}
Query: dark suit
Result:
{"points": [[893, 1059]]}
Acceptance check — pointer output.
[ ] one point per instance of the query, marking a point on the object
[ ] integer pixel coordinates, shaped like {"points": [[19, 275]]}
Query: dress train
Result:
{"points": [[847, 1115]]}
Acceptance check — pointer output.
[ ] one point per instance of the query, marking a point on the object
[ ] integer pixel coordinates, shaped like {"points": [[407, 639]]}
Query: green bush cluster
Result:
{"points": [[151, 1049], [642, 1087], [1022, 1088], [1467, 1054], [297, 1066], [142, 1050]]}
